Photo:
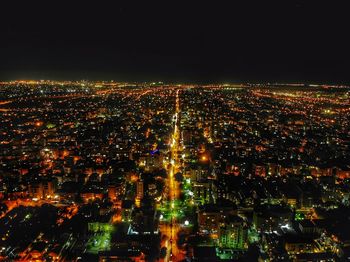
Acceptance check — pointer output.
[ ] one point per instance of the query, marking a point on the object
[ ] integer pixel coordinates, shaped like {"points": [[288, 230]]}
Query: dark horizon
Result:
{"points": [[292, 41]]}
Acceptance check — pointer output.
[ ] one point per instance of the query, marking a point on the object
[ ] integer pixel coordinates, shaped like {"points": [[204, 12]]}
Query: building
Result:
{"points": [[112, 192], [43, 189], [139, 189], [270, 217], [233, 233], [211, 216]]}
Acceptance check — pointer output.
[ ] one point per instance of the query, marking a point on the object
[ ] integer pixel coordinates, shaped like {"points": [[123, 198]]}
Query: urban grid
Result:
{"points": [[124, 171]]}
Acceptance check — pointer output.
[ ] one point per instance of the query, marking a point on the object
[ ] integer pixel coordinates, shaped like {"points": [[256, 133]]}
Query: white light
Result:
{"points": [[187, 223], [286, 226]]}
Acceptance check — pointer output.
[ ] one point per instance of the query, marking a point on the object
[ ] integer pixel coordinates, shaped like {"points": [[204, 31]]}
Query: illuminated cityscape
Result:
{"points": [[174, 131], [109, 171]]}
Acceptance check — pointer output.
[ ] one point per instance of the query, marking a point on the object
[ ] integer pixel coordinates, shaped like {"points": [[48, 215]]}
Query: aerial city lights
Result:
{"points": [[109, 171]]}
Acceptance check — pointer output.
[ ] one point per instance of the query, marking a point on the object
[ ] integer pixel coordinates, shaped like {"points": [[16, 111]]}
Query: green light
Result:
{"points": [[299, 216], [50, 125], [100, 227]]}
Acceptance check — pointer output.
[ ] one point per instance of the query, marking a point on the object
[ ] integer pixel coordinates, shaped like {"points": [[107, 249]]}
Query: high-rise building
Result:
{"points": [[48, 189], [139, 189], [233, 233], [36, 190], [112, 192]]}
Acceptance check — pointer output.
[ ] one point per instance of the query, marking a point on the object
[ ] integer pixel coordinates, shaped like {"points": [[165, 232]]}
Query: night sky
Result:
{"points": [[284, 41]]}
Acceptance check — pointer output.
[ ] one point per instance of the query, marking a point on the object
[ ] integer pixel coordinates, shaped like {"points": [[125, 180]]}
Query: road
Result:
{"points": [[172, 227]]}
